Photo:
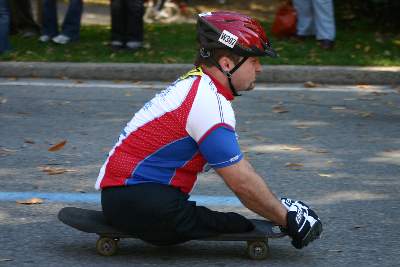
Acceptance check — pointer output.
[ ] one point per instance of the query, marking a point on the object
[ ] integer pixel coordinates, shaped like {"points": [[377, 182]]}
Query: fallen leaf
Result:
{"points": [[58, 146], [310, 84], [5, 151], [294, 166], [80, 191], [379, 93], [31, 201], [324, 175], [321, 151], [55, 170], [292, 148], [363, 86], [279, 109], [137, 82], [12, 78], [365, 114], [302, 126], [367, 48], [29, 141], [169, 60], [128, 94], [338, 108], [78, 81]]}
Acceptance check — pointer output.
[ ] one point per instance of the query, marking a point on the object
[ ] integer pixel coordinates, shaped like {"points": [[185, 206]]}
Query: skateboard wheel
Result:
{"points": [[257, 250], [107, 246]]}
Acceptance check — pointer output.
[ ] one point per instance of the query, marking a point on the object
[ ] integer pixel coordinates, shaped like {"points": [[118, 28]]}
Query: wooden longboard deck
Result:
{"points": [[93, 221]]}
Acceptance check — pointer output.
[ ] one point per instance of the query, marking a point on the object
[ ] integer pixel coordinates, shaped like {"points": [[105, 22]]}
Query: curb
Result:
{"points": [[169, 72]]}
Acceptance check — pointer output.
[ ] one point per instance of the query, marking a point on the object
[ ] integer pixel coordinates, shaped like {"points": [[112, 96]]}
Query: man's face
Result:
{"points": [[244, 78]]}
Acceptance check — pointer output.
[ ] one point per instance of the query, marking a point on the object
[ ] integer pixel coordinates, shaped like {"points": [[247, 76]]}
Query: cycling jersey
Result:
{"points": [[172, 137]]}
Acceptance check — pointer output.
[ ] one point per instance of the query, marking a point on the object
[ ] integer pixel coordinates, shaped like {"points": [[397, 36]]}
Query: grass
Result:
{"points": [[356, 45]]}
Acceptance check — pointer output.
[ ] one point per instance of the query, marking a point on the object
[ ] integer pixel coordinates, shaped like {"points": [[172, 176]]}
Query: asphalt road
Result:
{"points": [[335, 147]]}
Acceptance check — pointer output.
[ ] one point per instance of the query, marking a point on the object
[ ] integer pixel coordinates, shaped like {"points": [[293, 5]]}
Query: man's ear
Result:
{"points": [[226, 63]]}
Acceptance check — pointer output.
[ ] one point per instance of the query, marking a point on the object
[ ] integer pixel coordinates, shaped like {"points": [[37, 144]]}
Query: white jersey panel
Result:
{"points": [[209, 108]]}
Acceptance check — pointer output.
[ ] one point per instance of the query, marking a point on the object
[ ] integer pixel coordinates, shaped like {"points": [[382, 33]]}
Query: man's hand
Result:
{"points": [[303, 224]]}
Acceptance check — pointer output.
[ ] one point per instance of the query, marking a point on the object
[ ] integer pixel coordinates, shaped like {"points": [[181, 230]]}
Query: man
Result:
{"points": [[316, 17], [149, 174], [71, 26], [127, 24]]}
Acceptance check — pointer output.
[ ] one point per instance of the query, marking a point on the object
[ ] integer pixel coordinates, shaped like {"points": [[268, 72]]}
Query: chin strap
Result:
{"points": [[207, 54]]}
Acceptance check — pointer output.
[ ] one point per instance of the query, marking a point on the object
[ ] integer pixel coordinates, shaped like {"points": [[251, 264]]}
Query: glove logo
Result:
{"points": [[299, 216]]}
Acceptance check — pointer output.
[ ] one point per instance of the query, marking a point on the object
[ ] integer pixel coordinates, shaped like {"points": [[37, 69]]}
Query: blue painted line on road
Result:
{"points": [[95, 198]]}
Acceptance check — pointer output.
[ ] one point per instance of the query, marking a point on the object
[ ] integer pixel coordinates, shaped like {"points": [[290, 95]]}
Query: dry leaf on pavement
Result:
{"points": [[365, 114], [55, 170], [294, 166], [58, 146], [363, 86], [31, 201], [338, 108], [279, 109], [292, 148], [302, 126], [324, 175], [310, 84], [5, 151]]}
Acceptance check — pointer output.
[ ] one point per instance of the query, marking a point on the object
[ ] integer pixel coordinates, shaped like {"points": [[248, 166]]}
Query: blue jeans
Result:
{"points": [[4, 25], [315, 17], [72, 21]]}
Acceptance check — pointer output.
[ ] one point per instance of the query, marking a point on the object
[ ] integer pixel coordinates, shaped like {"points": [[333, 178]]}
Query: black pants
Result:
{"points": [[162, 215], [127, 20]]}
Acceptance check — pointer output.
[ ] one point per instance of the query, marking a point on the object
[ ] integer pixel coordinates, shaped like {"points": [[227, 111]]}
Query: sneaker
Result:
{"points": [[61, 39], [133, 45], [44, 38], [116, 45]]}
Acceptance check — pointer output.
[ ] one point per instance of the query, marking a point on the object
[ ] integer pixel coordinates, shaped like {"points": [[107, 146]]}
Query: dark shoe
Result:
{"points": [[301, 38], [326, 44]]}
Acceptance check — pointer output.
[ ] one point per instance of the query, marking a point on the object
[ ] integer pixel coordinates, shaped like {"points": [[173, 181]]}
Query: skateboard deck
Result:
{"points": [[93, 221]]}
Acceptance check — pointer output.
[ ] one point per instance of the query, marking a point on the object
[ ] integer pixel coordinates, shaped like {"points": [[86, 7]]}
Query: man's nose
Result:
{"points": [[258, 67]]}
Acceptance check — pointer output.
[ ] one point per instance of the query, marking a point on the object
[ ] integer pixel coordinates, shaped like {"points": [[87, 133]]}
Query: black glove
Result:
{"points": [[303, 224]]}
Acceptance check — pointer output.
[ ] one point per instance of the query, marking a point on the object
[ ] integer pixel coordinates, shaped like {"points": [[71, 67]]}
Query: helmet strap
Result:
{"points": [[229, 74]]}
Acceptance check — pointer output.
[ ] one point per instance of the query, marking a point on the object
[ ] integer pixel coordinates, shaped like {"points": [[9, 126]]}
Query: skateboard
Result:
{"points": [[93, 221]]}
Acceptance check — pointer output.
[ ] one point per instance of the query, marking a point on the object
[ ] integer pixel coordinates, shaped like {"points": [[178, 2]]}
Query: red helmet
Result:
{"points": [[224, 29]]}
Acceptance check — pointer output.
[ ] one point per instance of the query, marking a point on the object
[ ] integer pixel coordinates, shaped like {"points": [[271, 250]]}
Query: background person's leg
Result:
{"points": [[4, 26], [72, 21], [50, 18], [305, 17], [134, 23], [324, 19]]}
